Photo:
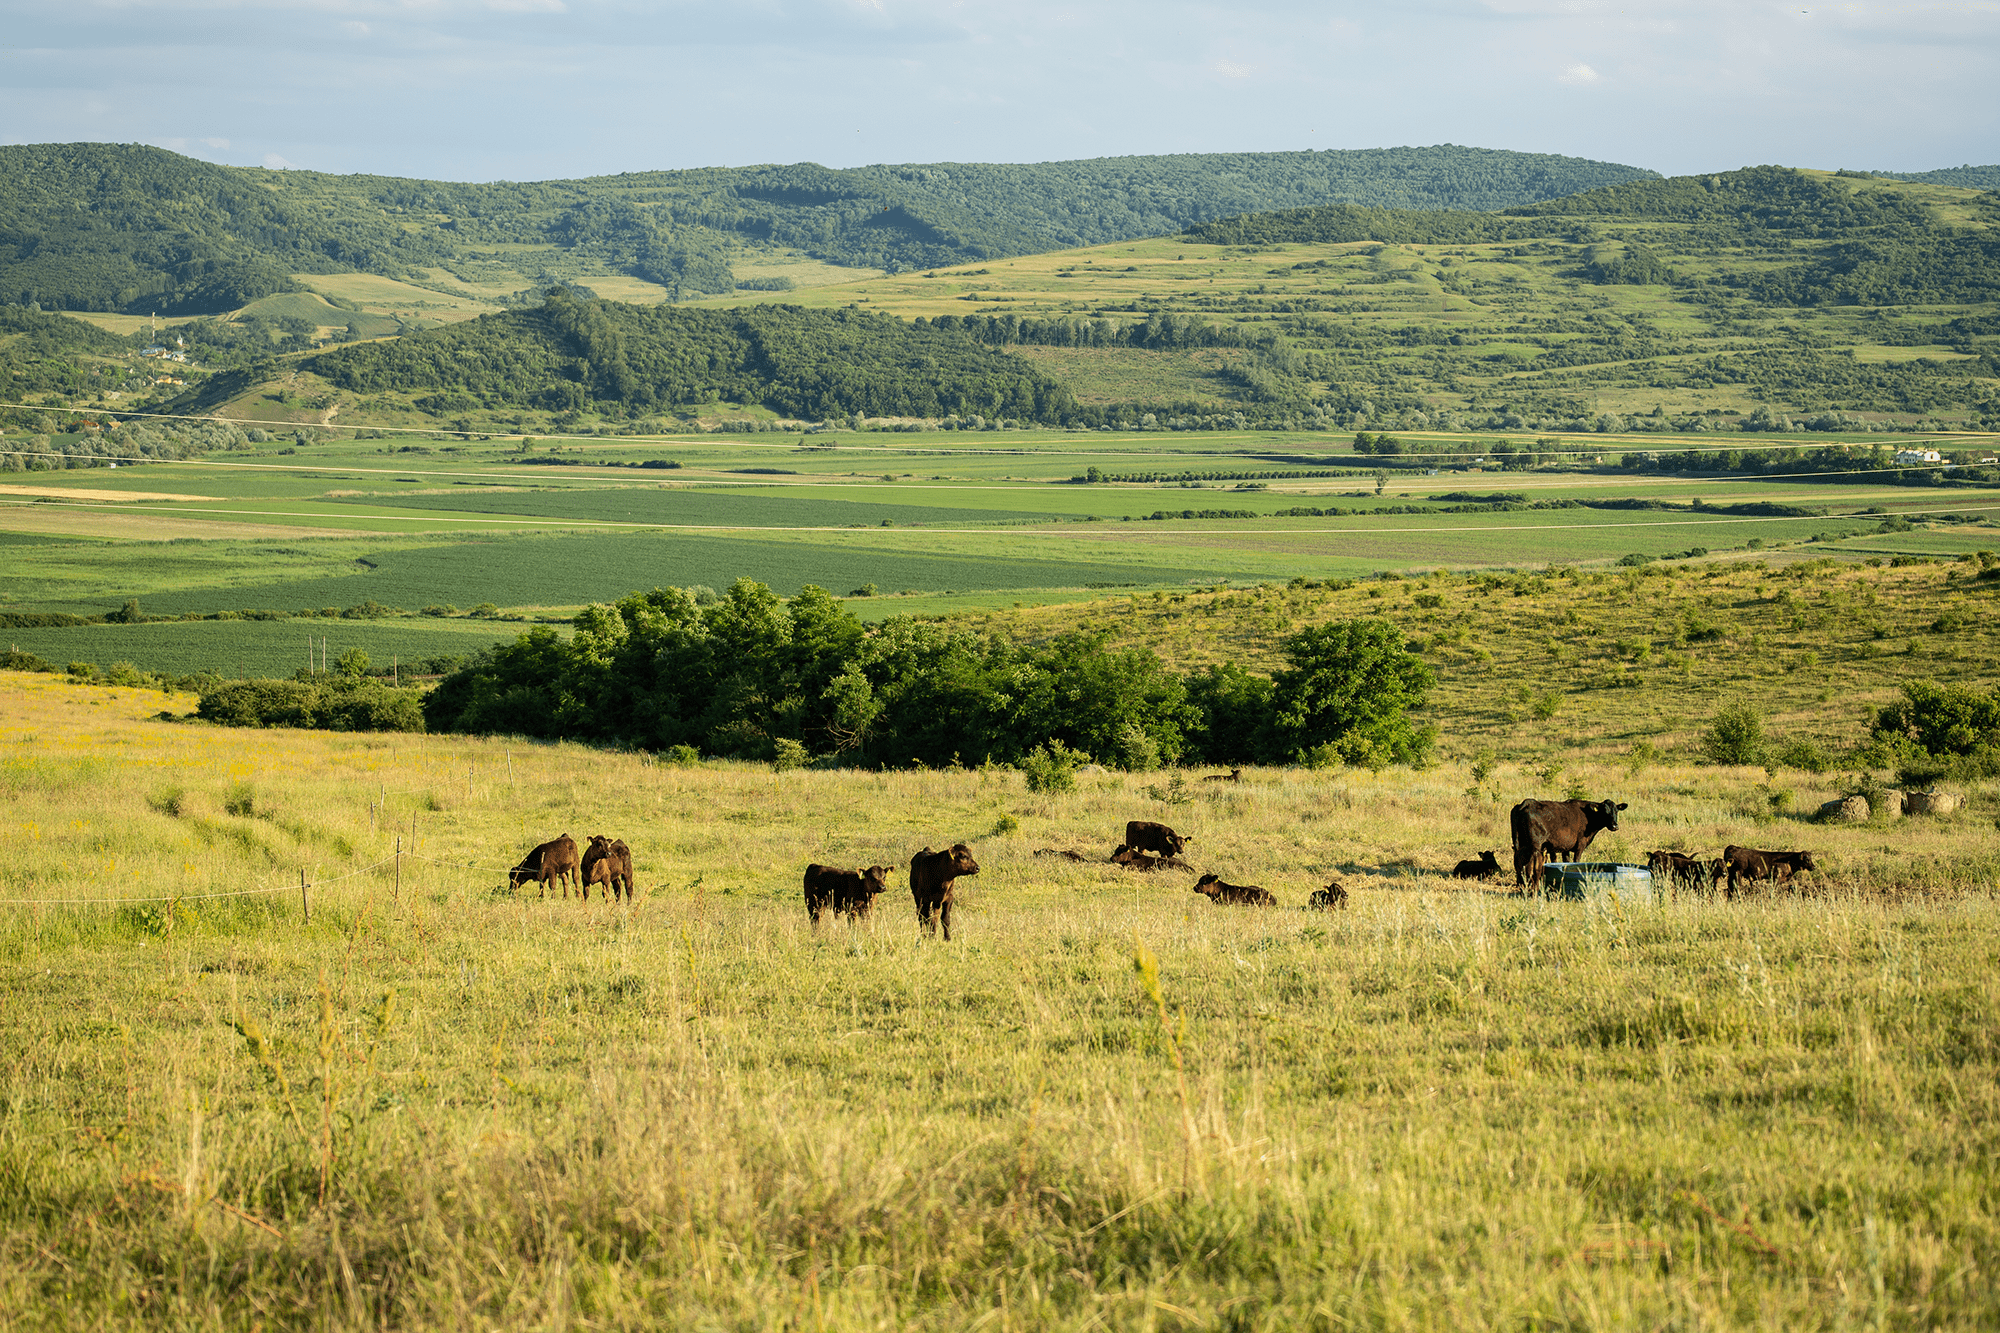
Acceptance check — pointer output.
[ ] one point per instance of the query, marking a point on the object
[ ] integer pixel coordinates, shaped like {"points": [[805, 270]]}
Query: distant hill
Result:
{"points": [[113, 227], [1966, 177]]}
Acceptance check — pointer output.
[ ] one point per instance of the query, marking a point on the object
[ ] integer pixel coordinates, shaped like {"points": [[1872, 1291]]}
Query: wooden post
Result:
{"points": [[304, 903], [510, 768], [397, 893]]}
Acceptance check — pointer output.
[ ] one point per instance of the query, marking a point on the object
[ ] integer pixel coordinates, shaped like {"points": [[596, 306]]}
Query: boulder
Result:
{"points": [[1848, 810], [1931, 802], [1889, 803]]}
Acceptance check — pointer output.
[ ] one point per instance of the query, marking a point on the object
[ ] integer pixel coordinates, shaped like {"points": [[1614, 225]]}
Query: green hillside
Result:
{"points": [[567, 355], [109, 227]]}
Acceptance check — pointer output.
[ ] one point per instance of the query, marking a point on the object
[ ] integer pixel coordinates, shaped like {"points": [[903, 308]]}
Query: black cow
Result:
{"points": [[1243, 895], [849, 891], [932, 875], [1557, 830], [556, 860], [1143, 835], [1747, 863], [1331, 897], [1680, 868], [1486, 867]]}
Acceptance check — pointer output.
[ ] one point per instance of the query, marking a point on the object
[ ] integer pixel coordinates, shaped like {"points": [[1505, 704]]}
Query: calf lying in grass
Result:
{"points": [[1243, 895]]}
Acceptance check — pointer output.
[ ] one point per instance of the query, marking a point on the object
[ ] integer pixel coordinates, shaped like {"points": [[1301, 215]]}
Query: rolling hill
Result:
{"points": [[108, 227]]}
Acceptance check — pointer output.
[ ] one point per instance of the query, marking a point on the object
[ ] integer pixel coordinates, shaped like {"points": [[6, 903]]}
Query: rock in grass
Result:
{"points": [[1848, 810]]}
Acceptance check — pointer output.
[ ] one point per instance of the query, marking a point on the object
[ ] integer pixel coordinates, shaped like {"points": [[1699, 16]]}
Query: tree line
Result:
{"points": [[752, 676]]}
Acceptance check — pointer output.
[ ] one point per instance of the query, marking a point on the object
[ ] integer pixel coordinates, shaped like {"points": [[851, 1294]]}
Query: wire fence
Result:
{"points": [[198, 897]]}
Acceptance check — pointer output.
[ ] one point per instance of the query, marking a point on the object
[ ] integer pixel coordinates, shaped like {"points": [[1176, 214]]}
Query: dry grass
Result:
{"points": [[1444, 1107]]}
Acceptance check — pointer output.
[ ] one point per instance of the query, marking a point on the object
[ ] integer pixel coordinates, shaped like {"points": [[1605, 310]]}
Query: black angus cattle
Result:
{"points": [[1749, 864], [1243, 895], [1134, 859], [555, 860], [1680, 868], [1557, 830], [932, 875], [1486, 867], [1329, 898], [849, 891], [1143, 835], [1233, 775]]}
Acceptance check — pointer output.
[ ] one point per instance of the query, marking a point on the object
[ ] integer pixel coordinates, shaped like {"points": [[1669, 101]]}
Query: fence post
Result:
{"points": [[397, 895], [304, 903]]}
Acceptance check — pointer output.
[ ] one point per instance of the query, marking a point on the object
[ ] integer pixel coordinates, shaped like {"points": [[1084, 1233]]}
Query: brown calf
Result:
{"points": [[1243, 895]]}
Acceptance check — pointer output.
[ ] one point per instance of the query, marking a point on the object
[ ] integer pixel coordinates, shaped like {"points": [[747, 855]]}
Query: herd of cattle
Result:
{"points": [[1542, 831]]}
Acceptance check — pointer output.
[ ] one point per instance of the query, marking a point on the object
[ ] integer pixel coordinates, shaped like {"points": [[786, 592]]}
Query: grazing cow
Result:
{"points": [[849, 891], [1331, 897], [607, 861], [555, 860], [931, 876], [1243, 895], [1233, 775], [1486, 867], [1557, 830], [1747, 863], [1680, 868], [1143, 835]]}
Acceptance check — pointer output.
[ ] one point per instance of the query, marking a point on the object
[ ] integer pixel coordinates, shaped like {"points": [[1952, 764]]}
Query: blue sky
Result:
{"points": [[534, 89]]}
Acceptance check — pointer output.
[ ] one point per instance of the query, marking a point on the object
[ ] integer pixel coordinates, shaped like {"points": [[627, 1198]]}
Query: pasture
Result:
{"points": [[1107, 1103]]}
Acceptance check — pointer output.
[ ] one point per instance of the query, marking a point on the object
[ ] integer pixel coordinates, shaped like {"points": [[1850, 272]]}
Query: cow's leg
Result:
{"points": [[944, 916]]}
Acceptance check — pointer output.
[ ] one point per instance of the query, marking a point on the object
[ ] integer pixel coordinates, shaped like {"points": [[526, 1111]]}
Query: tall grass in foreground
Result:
{"points": [[436, 1104]]}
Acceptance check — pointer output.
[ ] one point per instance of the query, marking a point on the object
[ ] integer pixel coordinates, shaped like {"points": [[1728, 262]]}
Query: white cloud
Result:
{"points": [[1229, 69], [1579, 75], [215, 143], [277, 163]]}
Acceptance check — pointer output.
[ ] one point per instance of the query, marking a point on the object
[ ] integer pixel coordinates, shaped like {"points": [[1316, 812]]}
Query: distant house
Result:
{"points": [[1917, 457]]}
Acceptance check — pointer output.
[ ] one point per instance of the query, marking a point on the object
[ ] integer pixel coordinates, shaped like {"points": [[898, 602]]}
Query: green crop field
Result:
{"points": [[245, 648]]}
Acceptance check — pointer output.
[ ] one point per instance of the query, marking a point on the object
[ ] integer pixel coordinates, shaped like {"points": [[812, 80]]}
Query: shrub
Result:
{"points": [[1802, 753], [1136, 752], [788, 754], [680, 756], [341, 704], [241, 801], [1736, 736], [1351, 684], [1051, 768]]}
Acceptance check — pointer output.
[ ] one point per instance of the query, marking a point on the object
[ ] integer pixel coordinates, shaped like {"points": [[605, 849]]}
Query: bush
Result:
{"points": [[342, 704], [241, 801], [1136, 752], [680, 756], [1802, 753], [788, 754], [1735, 737], [1351, 684], [1051, 768]]}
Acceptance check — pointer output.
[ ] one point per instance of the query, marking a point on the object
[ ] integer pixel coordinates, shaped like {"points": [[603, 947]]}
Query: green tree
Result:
{"points": [[1736, 736], [1352, 685]]}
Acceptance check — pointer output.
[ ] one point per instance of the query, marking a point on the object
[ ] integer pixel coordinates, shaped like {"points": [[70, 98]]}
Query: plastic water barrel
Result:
{"points": [[1580, 881]]}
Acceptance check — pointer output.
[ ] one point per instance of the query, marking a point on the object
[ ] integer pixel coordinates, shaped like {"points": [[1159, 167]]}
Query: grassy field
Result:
{"points": [[435, 1104]]}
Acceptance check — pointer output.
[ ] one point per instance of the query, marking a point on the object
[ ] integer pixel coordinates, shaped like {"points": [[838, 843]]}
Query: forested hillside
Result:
{"points": [[568, 355], [109, 227]]}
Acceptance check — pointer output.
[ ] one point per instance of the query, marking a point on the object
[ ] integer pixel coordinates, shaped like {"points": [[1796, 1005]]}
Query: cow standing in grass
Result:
{"points": [[555, 860], [1143, 835], [1748, 864], [1557, 830], [932, 875], [850, 891], [608, 861]]}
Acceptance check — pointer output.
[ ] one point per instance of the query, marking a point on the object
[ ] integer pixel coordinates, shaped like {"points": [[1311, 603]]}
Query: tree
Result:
{"points": [[1736, 736], [1351, 685]]}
